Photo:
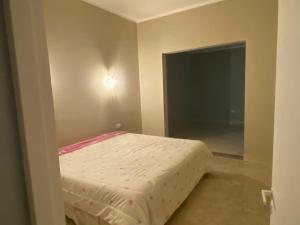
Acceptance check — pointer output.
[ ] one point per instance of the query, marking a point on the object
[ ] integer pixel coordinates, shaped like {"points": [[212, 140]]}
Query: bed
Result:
{"points": [[129, 179]]}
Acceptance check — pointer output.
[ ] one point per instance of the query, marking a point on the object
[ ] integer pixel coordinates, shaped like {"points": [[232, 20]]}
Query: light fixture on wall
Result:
{"points": [[110, 81]]}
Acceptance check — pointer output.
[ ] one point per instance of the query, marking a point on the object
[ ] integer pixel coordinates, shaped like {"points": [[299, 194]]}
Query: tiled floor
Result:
{"points": [[220, 138], [229, 195]]}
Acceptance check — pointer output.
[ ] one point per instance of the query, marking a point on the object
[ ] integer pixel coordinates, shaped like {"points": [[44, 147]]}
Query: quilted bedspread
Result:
{"points": [[131, 179]]}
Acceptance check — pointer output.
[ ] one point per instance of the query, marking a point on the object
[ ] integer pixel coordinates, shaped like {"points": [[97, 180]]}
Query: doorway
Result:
{"points": [[205, 97]]}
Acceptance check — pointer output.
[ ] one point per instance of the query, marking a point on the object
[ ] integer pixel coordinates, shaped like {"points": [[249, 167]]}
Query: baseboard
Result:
{"points": [[236, 122], [224, 155]]}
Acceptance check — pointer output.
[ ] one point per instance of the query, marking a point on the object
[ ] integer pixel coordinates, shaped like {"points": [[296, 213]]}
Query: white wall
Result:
{"points": [[286, 168]]}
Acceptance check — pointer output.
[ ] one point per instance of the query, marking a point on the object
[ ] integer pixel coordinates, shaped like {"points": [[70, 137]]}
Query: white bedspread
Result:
{"points": [[131, 179]]}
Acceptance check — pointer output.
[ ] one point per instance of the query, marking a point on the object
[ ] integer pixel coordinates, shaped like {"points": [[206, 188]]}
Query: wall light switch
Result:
{"points": [[118, 126], [268, 199]]}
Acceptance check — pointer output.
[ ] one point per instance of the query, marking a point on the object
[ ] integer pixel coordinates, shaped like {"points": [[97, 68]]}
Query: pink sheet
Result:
{"points": [[77, 146]]}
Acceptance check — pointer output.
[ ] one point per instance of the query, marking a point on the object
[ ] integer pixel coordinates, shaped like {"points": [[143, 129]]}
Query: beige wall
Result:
{"points": [[286, 179], [253, 21], [31, 76], [85, 44], [13, 186]]}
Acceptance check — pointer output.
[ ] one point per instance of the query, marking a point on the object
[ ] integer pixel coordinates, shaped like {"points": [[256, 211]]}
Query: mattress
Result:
{"points": [[130, 179]]}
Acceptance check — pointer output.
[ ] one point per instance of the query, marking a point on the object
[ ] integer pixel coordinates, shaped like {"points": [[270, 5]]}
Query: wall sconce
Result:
{"points": [[110, 81]]}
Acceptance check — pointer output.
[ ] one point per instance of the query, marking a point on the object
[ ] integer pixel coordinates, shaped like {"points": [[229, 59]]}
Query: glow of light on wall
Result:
{"points": [[110, 81]]}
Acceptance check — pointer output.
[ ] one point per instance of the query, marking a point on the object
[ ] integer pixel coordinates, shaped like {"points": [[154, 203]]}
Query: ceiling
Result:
{"points": [[142, 10]]}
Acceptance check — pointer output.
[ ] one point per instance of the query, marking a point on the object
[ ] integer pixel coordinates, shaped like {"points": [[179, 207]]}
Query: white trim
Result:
{"points": [[136, 20], [31, 73], [178, 10]]}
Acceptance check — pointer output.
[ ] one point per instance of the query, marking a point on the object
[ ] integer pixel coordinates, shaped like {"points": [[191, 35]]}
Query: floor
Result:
{"points": [[229, 195], [221, 138]]}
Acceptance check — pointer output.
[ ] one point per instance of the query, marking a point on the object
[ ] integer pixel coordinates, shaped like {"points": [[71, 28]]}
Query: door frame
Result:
{"points": [[32, 86], [205, 48]]}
